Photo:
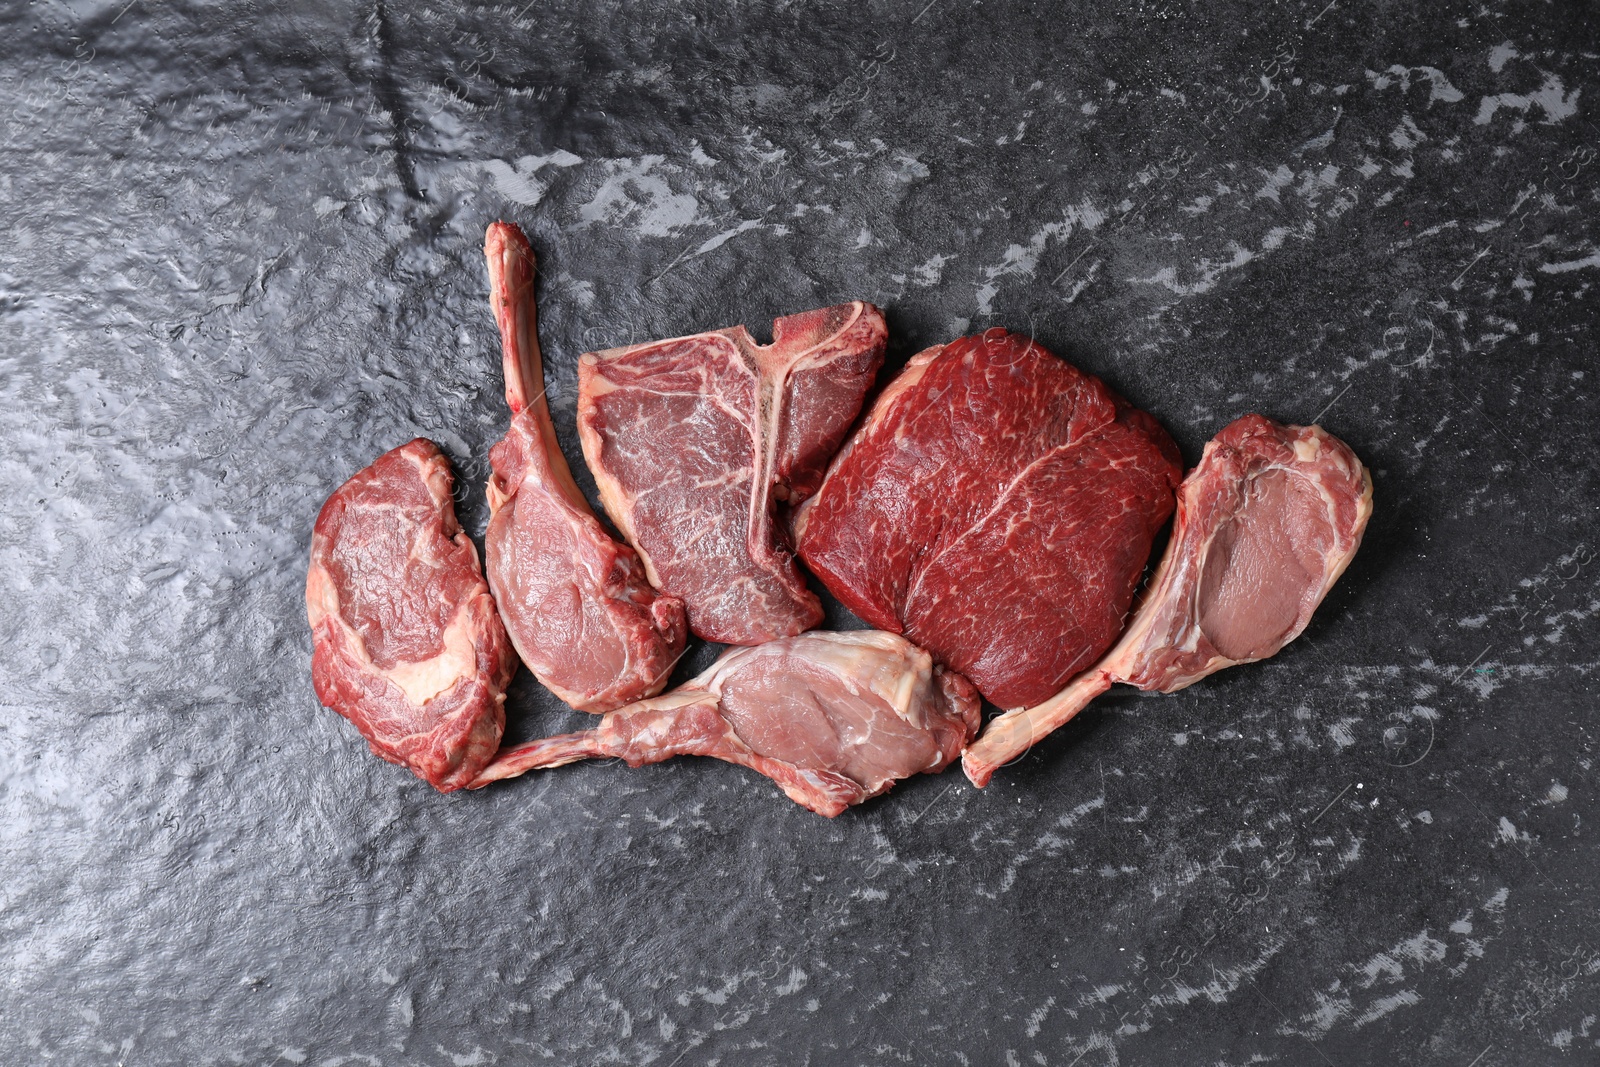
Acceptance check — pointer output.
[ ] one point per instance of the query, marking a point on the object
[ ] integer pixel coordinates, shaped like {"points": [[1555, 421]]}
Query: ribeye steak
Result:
{"points": [[833, 718], [405, 640], [694, 442], [578, 605], [1266, 523], [997, 507]]}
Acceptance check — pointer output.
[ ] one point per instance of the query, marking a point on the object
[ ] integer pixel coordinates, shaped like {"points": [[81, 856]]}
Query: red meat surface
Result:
{"points": [[696, 442], [997, 507], [578, 605], [406, 643]]}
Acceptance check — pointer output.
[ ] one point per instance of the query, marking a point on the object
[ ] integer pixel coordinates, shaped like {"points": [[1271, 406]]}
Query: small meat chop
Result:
{"points": [[1267, 522], [406, 643], [577, 604], [833, 718]]}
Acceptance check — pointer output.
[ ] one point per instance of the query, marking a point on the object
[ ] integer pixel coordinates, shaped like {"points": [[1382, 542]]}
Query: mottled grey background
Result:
{"points": [[241, 257]]}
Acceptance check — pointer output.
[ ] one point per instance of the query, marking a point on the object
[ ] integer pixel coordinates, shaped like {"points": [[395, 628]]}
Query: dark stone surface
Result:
{"points": [[242, 257]]}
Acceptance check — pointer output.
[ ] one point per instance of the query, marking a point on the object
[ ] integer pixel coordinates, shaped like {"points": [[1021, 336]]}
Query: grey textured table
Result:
{"points": [[242, 257]]}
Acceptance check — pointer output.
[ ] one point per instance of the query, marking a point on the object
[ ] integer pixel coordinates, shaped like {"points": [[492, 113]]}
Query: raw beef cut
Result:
{"points": [[1266, 524], [577, 604], [405, 640], [997, 507], [694, 441], [833, 718]]}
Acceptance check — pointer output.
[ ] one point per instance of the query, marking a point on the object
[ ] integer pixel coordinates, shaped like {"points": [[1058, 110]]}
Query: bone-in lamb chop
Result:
{"points": [[695, 441], [997, 507], [578, 605], [405, 640], [1266, 523], [833, 718]]}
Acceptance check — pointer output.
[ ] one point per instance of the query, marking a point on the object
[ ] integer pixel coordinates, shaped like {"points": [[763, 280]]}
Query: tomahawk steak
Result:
{"points": [[1266, 523], [405, 640], [577, 604], [833, 718], [997, 507], [694, 442]]}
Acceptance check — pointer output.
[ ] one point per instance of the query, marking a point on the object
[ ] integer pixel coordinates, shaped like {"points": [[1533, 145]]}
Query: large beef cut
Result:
{"points": [[1266, 523], [833, 718], [695, 441], [578, 605], [997, 507], [405, 640]]}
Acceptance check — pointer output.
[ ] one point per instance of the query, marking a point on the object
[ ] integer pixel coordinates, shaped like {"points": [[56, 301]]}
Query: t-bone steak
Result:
{"points": [[578, 605], [1266, 523], [695, 441], [833, 718], [997, 507], [405, 640]]}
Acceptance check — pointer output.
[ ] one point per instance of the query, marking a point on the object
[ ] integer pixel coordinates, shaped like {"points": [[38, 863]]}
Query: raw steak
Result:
{"points": [[405, 640], [577, 604], [1266, 524], [997, 507], [694, 441], [833, 718]]}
